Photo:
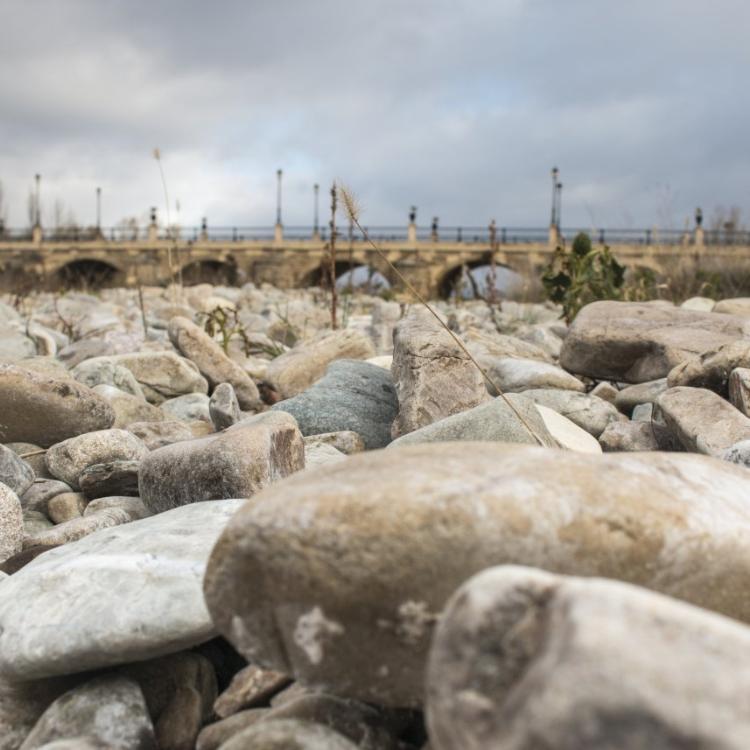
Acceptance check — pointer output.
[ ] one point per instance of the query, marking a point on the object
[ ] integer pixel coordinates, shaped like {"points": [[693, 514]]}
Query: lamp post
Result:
{"points": [[98, 210], [316, 225], [559, 206], [279, 172], [553, 219], [38, 206]]}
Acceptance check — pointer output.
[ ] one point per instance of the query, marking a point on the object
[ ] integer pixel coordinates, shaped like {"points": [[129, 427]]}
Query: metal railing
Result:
{"points": [[467, 235]]}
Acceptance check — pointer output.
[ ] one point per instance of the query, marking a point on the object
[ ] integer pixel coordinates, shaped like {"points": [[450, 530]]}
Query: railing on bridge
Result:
{"points": [[446, 234]]}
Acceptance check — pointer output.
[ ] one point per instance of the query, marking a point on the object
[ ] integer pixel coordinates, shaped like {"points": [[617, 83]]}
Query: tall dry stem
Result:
{"points": [[332, 256]]}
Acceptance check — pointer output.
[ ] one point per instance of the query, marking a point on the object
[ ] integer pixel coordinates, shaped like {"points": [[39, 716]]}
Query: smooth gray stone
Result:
{"points": [[352, 395], [110, 709], [103, 371], [492, 421], [57, 614], [41, 492], [628, 437], [643, 393], [14, 471], [288, 734], [188, 408], [11, 523]]}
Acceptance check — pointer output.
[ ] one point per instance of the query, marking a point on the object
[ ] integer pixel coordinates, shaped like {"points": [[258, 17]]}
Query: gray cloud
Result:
{"points": [[460, 109]]}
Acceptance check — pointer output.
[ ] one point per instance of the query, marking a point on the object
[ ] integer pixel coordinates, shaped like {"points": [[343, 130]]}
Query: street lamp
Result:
{"points": [[698, 217], [278, 196], [316, 227], [38, 218], [98, 210], [553, 219], [559, 205]]}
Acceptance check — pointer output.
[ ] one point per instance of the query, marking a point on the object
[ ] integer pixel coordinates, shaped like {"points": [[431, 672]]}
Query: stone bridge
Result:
{"points": [[430, 264]]}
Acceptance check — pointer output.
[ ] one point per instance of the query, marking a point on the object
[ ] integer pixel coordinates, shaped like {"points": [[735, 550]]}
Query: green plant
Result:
{"points": [[585, 274]]}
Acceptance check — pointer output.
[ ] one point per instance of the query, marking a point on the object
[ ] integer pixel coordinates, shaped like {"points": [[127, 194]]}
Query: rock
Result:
{"points": [[195, 344], [493, 421], [127, 408], [433, 377], [223, 407], [178, 726], [14, 346], [739, 453], [739, 389], [250, 687], [385, 316], [345, 441], [45, 411], [103, 371], [56, 613], [712, 368], [568, 434], [484, 345], [213, 736], [628, 436], [296, 370], [643, 413], [188, 408], [162, 375], [701, 421], [33, 455], [321, 454], [526, 659], [163, 679], [15, 473], [235, 463], [733, 306], [68, 459], [24, 557], [362, 724], [385, 361], [66, 506], [351, 396], [700, 304], [517, 375], [158, 434], [22, 703], [635, 342], [34, 522], [643, 393], [110, 709], [288, 734], [404, 527], [605, 391], [78, 351], [589, 412], [95, 518], [11, 523], [111, 478], [37, 497]]}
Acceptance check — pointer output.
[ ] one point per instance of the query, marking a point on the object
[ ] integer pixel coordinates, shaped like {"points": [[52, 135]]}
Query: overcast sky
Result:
{"points": [[460, 108]]}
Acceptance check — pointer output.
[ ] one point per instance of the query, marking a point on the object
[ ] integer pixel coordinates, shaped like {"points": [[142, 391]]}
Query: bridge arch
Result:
{"points": [[450, 279], [88, 273], [210, 271], [360, 269]]}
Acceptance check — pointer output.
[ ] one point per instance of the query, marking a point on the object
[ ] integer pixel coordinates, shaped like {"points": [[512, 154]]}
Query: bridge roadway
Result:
{"points": [[431, 265]]}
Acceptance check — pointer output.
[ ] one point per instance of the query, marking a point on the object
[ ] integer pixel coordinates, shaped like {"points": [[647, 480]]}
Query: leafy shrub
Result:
{"points": [[585, 274]]}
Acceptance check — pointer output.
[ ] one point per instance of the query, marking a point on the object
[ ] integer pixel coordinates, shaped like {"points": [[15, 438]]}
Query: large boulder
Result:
{"points": [[118, 595], [195, 344], [403, 528], [634, 342], [45, 410], [234, 463], [433, 376], [296, 370], [352, 395], [526, 659]]}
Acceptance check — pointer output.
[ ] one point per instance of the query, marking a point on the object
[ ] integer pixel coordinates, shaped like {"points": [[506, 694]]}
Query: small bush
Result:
{"points": [[585, 274]]}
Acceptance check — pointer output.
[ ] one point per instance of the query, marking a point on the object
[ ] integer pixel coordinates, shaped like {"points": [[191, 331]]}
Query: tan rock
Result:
{"points": [[739, 389], [128, 408], [433, 377], [634, 342], [403, 527], [296, 370], [712, 368], [250, 687]]}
